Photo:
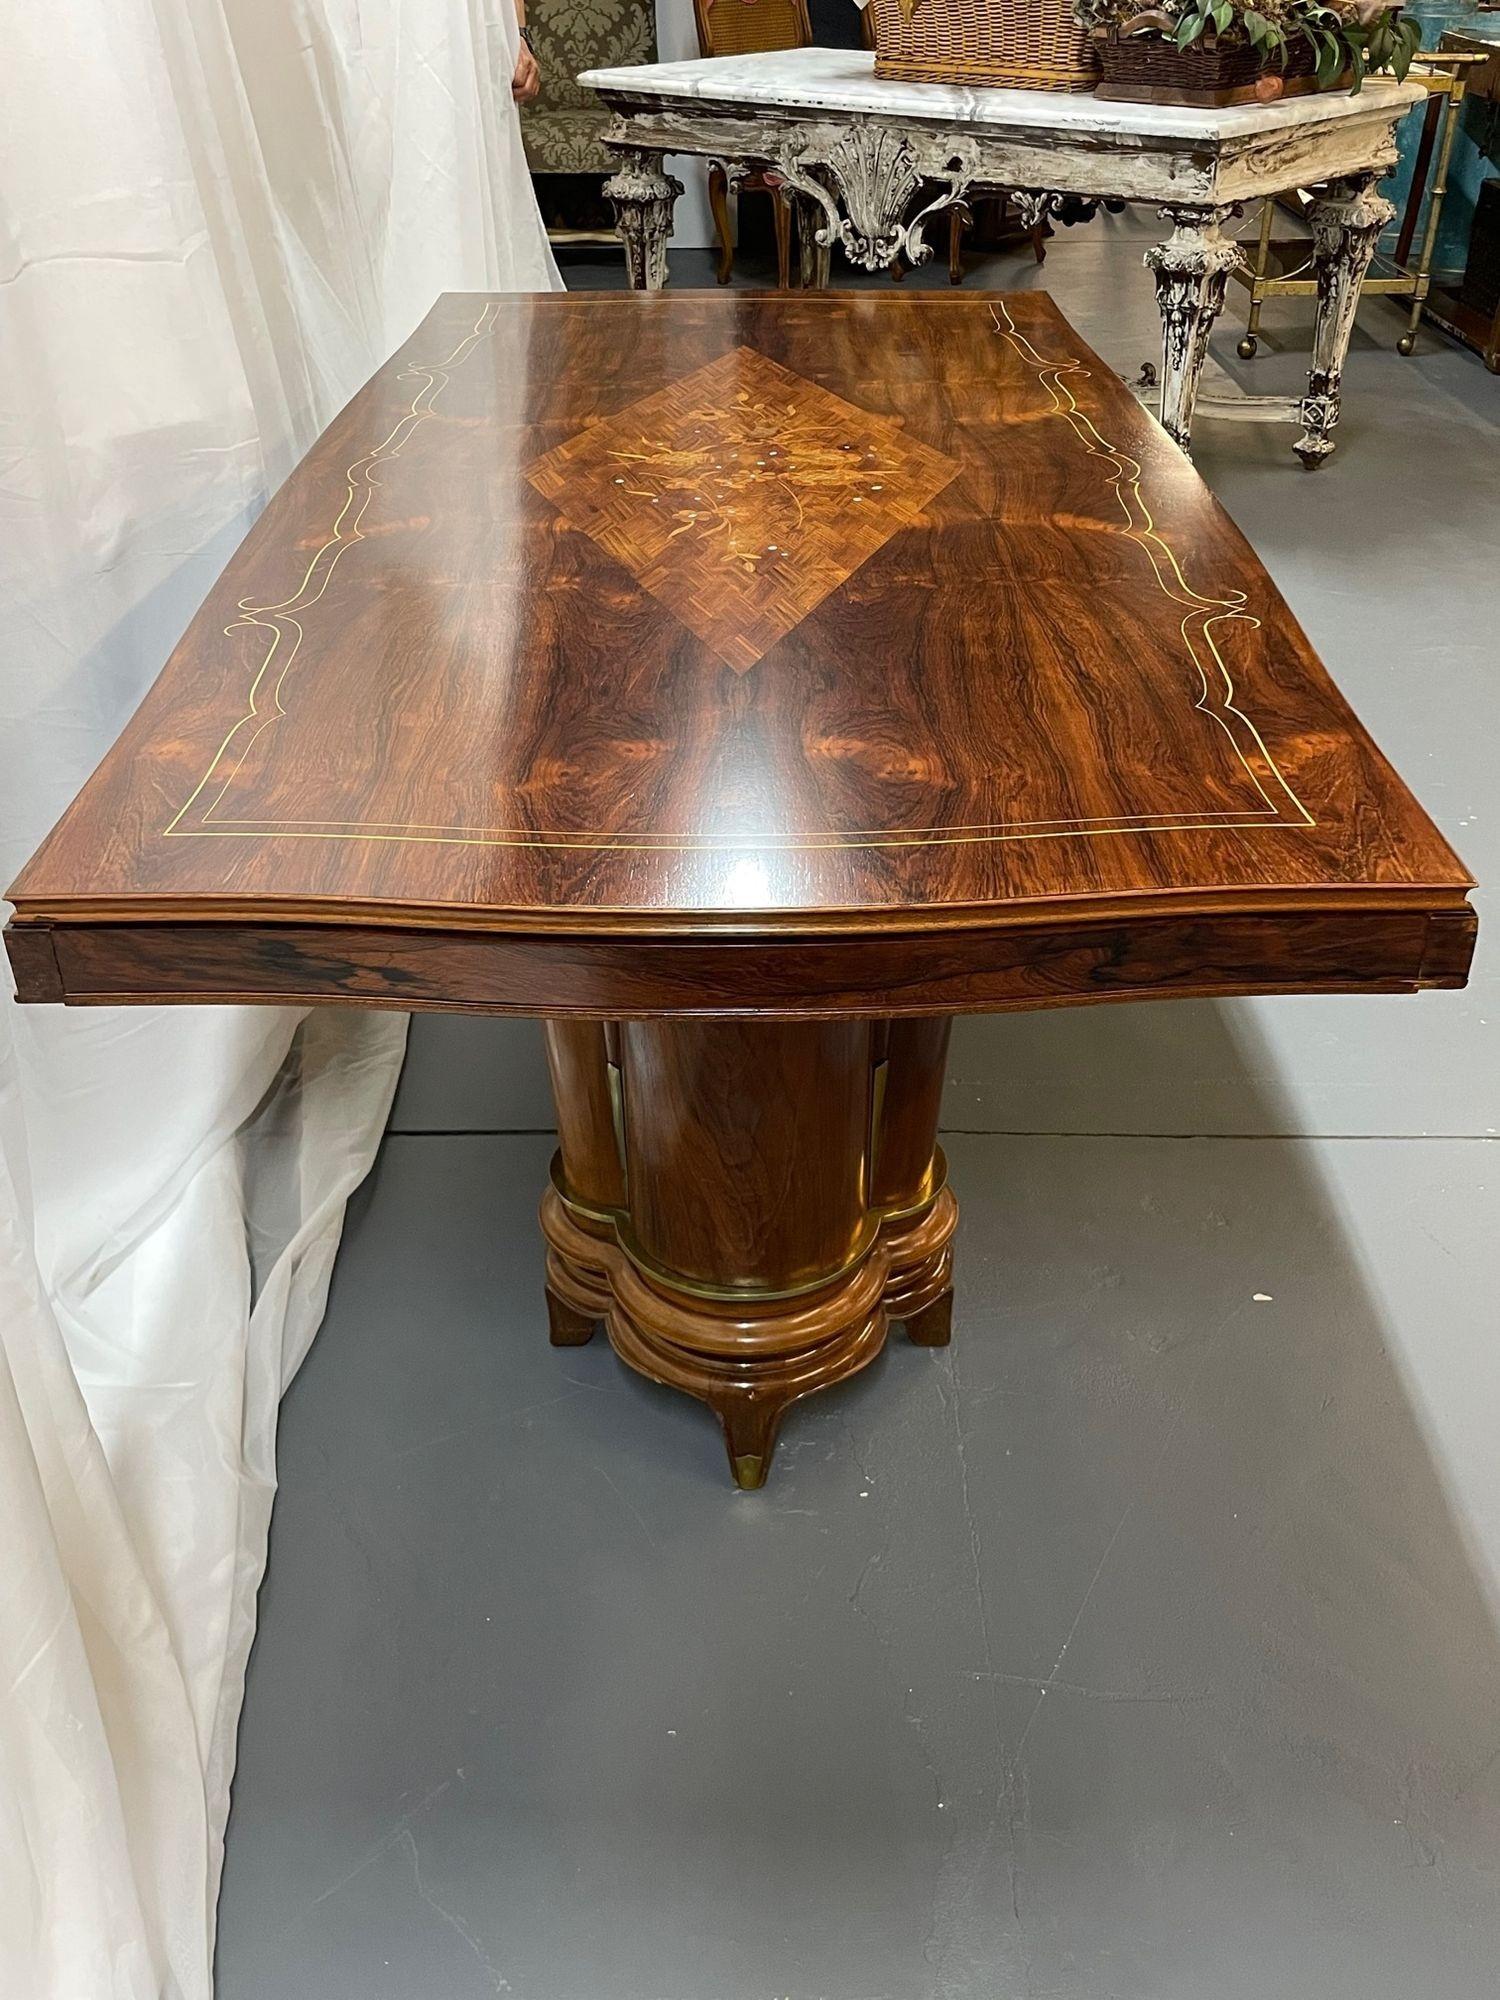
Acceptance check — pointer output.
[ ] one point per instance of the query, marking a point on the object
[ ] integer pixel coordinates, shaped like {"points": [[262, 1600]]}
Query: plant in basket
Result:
{"points": [[1232, 52]]}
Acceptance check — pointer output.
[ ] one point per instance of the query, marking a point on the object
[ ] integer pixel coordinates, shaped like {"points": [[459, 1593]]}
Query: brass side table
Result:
{"points": [[1289, 270]]}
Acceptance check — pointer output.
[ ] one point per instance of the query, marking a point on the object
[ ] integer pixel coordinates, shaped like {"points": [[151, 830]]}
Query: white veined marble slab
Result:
{"points": [[845, 80]]}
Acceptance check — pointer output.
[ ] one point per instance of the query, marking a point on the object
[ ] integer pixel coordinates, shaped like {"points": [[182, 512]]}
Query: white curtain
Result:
{"points": [[216, 218]]}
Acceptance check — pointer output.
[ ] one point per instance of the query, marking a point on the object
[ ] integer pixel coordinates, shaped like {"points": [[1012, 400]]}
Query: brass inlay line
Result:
{"points": [[595, 843], [1126, 481], [673, 843], [346, 530], [1140, 527]]}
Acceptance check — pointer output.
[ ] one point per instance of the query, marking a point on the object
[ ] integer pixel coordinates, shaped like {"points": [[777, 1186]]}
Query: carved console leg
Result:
{"points": [[1347, 218], [1191, 270], [643, 197], [782, 1200]]}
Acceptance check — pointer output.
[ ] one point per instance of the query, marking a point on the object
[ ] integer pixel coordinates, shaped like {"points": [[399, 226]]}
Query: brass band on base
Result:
{"points": [[743, 1294]]}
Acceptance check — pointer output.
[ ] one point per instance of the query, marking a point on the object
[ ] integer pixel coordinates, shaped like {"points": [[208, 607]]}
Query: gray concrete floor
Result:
{"points": [[1141, 1646]]}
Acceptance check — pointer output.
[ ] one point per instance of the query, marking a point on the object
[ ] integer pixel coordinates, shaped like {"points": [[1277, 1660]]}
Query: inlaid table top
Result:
{"points": [[885, 633]]}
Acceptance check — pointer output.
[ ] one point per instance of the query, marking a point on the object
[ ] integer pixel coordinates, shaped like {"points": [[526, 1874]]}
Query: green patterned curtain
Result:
{"points": [[562, 128]]}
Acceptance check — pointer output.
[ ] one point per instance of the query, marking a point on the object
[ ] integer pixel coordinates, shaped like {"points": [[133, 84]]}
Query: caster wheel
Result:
{"points": [[1247, 347], [1406, 343]]}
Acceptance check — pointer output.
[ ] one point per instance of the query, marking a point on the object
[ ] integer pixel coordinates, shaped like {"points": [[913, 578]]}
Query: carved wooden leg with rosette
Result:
{"points": [[1191, 270], [643, 197], [1347, 218], [778, 1199], [814, 259]]}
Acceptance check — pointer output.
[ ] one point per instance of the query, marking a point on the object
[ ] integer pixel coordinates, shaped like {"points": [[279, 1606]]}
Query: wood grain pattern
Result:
{"points": [[1060, 692], [965, 971], [741, 496]]}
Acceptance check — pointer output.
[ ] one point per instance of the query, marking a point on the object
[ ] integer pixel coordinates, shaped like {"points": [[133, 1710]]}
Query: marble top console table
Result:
{"points": [[871, 164]]}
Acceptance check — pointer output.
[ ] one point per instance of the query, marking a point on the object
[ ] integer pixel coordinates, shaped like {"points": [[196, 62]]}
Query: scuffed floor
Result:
{"points": [[1140, 1646]]}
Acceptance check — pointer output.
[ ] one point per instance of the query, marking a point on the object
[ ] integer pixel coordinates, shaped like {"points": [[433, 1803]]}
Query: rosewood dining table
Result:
{"points": [[745, 685]]}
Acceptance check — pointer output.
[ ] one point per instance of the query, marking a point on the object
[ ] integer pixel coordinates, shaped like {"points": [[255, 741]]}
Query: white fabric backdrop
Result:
{"points": [[216, 218]]}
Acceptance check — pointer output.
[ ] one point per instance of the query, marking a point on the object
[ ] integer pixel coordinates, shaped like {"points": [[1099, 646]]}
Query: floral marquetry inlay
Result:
{"points": [[742, 495]]}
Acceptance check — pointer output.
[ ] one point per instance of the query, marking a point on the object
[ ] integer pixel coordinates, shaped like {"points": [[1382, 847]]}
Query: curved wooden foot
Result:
{"points": [[750, 1436], [718, 201], [567, 1327], [749, 1365], [933, 1325]]}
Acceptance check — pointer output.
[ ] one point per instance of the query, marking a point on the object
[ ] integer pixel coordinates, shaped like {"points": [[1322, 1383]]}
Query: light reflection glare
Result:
{"points": [[747, 886]]}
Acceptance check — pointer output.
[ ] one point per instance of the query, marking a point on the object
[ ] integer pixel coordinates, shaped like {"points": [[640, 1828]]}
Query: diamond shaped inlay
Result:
{"points": [[742, 495]]}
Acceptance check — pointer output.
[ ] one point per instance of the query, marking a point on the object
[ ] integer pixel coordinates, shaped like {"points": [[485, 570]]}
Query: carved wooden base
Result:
{"points": [[747, 1206]]}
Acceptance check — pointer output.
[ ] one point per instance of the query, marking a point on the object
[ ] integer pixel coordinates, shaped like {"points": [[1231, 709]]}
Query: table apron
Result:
{"points": [[880, 974], [1112, 166]]}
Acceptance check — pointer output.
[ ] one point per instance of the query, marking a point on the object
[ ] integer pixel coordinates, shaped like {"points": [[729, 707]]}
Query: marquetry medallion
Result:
{"points": [[741, 495]]}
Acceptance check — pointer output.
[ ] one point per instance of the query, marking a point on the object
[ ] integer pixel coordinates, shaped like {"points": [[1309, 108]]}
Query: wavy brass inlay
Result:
{"points": [[1204, 612], [745, 502], [283, 620]]}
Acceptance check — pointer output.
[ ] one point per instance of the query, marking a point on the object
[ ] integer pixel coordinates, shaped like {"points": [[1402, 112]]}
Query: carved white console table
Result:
{"points": [[870, 164]]}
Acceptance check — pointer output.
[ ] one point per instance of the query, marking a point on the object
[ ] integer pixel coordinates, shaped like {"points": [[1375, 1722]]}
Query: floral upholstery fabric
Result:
{"points": [[562, 128]]}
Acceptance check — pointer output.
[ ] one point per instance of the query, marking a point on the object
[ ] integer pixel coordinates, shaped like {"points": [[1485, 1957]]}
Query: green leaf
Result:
{"points": [[1257, 27], [1223, 16], [1189, 28]]}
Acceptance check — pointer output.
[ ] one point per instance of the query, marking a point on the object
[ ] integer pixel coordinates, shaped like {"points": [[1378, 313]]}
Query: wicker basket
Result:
{"points": [[1014, 44], [1151, 69]]}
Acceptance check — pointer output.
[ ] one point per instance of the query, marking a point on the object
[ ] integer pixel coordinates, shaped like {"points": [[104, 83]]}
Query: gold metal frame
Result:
{"points": [[1443, 74]]}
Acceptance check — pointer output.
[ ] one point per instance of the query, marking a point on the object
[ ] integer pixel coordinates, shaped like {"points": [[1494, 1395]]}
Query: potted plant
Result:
{"points": [[1234, 52]]}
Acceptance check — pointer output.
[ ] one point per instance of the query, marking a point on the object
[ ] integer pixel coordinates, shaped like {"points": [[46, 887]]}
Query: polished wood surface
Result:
{"points": [[746, 684], [785, 1200], [598, 633]]}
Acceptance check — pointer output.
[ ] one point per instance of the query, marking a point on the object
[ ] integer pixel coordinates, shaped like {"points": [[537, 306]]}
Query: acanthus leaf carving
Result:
{"points": [[866, 183]]}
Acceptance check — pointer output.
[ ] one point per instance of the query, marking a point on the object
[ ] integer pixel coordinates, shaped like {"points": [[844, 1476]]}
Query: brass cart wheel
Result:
{"points": [[1248, 347], [1406, 344]]}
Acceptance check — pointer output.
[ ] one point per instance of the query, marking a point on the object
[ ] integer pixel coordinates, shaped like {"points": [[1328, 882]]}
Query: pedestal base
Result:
{"points": [[780, 1200]]}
